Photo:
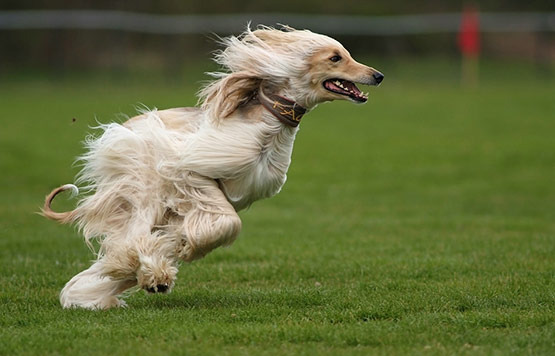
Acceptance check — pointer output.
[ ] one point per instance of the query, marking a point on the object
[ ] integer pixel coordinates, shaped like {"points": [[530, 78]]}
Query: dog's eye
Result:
{"points": [[335, 58]]}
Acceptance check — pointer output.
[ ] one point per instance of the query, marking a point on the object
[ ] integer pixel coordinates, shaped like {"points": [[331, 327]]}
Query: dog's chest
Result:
{"points": [[266, 171]]}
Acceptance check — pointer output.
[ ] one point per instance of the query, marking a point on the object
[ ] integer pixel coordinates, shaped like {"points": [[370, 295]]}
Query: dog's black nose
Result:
{"points": [[378, 77]]}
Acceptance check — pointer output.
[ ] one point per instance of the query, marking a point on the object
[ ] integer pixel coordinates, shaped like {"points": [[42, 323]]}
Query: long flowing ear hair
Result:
{"points": [[266, 54]]}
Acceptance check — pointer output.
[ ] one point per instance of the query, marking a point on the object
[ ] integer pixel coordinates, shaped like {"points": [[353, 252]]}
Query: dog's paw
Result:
{"points": [[160, 288], [156, 274]]}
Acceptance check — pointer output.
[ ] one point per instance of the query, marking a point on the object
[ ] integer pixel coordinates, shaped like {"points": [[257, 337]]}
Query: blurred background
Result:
{"points": [[58, 35]]}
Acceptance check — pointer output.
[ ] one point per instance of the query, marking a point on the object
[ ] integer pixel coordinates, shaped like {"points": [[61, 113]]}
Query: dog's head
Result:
{"points": [[306, 67], [333, 73]]}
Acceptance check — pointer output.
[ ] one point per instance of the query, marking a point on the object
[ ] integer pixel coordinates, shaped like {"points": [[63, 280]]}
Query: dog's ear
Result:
{"points": [[227, 94]]}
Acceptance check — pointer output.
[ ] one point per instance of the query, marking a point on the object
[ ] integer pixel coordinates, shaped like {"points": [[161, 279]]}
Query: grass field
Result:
{"points": [[420, 223]]}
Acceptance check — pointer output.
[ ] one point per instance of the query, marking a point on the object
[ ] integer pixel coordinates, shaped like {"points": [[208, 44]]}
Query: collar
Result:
{"points": [[285, 110]]}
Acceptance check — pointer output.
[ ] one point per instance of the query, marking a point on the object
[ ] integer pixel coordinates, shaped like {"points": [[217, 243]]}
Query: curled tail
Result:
{"points": [[65, 217]]}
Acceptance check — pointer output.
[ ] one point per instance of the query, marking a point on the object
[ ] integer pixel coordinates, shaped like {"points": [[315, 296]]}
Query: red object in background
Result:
{"points": [[469, 33]]}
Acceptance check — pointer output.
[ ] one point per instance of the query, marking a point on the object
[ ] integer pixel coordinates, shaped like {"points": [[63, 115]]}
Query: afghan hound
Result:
{"points": [[166, 185]]}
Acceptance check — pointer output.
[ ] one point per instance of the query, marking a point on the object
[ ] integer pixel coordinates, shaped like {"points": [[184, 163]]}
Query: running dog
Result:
{"points": [[166, 185]]}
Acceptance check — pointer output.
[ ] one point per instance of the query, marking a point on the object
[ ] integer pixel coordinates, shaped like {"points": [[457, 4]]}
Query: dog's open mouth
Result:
{"points": [[345, 87]]}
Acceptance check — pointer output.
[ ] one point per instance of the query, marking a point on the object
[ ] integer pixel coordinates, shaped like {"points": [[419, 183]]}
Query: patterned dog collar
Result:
{"points": [[285, 110]]}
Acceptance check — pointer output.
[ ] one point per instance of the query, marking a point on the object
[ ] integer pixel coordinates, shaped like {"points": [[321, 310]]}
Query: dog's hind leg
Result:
{"points": [[91, 289], [157, 258], [205, 221]]}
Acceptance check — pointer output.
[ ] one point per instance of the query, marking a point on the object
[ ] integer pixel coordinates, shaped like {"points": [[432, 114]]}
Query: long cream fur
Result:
{"points": [[166, 185]]}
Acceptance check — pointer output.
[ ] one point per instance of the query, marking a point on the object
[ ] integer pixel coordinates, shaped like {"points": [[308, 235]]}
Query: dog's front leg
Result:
{"points": [[205, 221]]}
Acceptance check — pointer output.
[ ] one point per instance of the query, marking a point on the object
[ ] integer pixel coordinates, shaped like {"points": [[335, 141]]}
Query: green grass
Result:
{"points": [[420, 223]]}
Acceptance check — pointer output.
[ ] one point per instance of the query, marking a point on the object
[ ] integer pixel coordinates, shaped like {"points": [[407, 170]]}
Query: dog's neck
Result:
{"points": [[285, 110]]}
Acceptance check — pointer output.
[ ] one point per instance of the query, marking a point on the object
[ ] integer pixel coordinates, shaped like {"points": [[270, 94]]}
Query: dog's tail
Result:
{"points": [[66, 216]]}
